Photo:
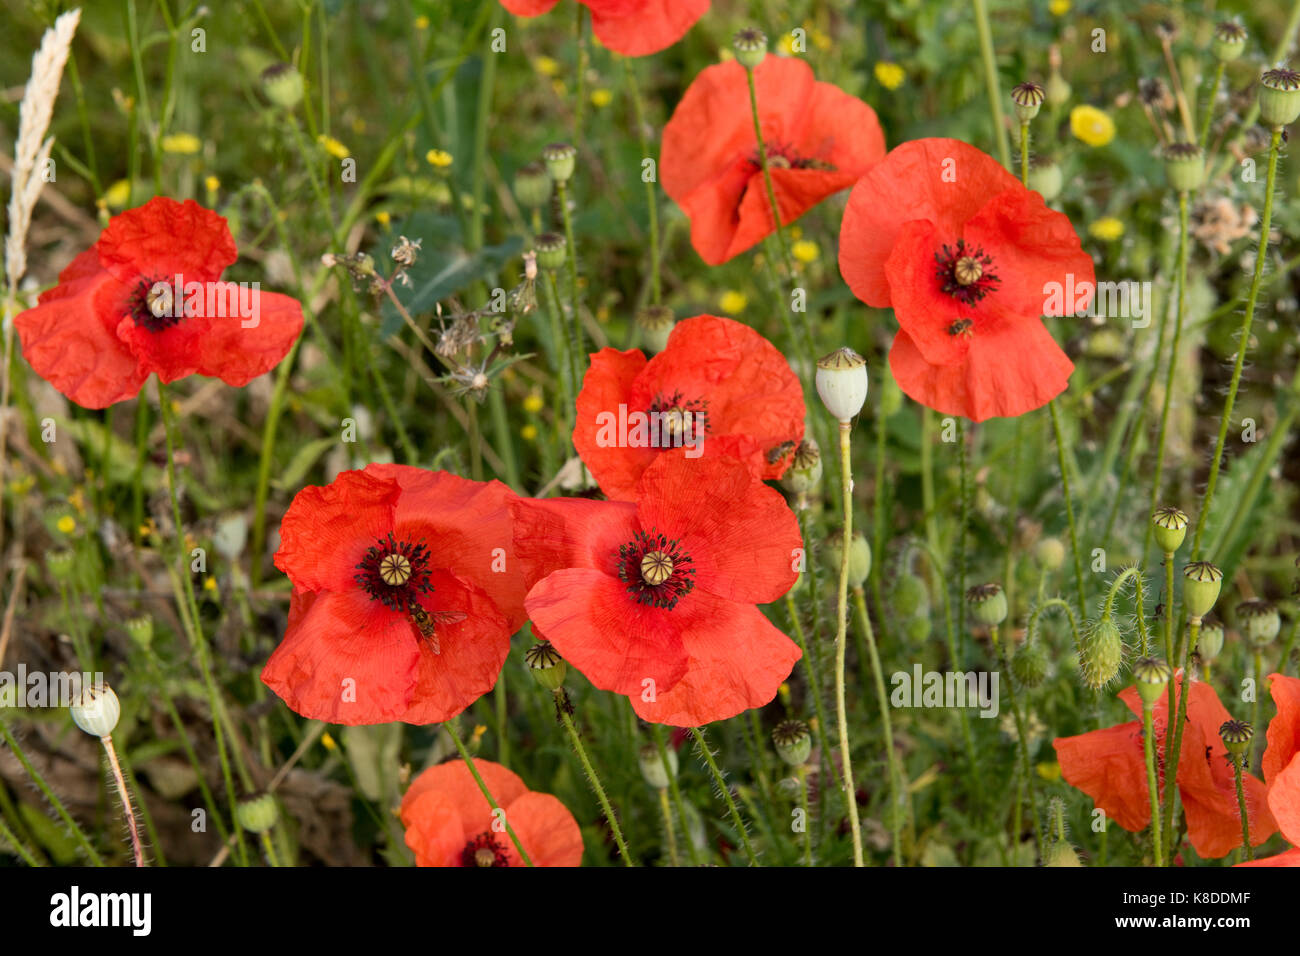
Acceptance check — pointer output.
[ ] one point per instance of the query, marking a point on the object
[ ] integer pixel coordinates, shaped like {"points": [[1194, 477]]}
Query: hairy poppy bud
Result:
{"points": [[551, 251], [97, 710], [793, 741], [1229, 41], [652, 765], [532, 185], [1061, 853], [805, 471], [1236, 736], [546, 665], [1260, 622], [988, 603], [859, 555], [1050, 553], [910, 597], [1279, 97], [59, 564], [1201, 583], [1031, 665], [560, 159], [1171, 528], [283, 85], [1046, 179], [1101, 653], [1151, 677], [259, 813], [1028, 99], [750, 45], [1057, 90], [656, 324], [1184, 166], [842, 383], [1209, 643]]}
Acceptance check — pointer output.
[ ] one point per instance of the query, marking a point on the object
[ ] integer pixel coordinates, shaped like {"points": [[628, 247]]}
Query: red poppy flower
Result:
{"points": [[450, 823], [116, 316], [629, 27], [717, 389], [969, 260], [655, 599], [1109, 766], [1281, 768], [819, 140], [406, 593]]}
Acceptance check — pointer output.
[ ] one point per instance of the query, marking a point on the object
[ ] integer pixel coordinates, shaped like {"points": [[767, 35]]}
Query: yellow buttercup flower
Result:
{"points": [[732, 302], [1059, 8], [209, 584], [805, 250], [67, 524], [546, 66], [1107, 229], [383, 217], [182, 144], [1049, 770], [211, 184], [528, 433], [601, 97], [327, 742], [438, 158], [422, 22], [786, 44], [333, 147], [533, 403], [890, 75], [118, 194], [1092, 125]]}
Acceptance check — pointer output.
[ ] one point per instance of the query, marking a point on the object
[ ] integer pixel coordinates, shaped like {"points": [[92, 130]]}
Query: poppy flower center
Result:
{"points": [[655, 570], [395, 573], [784, 156], [152, 305], [678, 421], [484, 850], [964, 272]]}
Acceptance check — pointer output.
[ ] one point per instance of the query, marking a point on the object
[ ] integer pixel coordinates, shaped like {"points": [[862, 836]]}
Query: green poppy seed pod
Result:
{"points": [[1050, 553], [805, 471], [551, 251], [656, 324], [1046, 179], [560, 159], [1201, 584], [842, 383], [750, 45], [652, 766], [96, 710], [1209, 643], [1031, 665], [910, 597], [59, 564], [140, 630], [1184, 167], [917, 629], [259, 813], [1170, 527], [1151, 677], [532, 185], [793, 742], [1260, 622], [546, 665], [1028, 99], [1061, 853], [1229, 41], [1279, 97], [1236, 736], [859, 556], [1101, 653], [988, 603], [1057, 90], [283, 85]]}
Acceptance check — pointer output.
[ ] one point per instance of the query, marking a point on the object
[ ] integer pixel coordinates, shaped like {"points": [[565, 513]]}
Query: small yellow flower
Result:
{"points": [[533, 403], [327, 742], [358, 126], [805, 250], [890, 75], [601, 97], [528, 433], [1049, 769], [118, 194], [78, 498], [1059, 8], [560, 89], [786, 44], [333, 147], [732, 302], [1107, 229], [438, 158], [546, 66], [784, 692], [210, 584], [211, 183], [422, 22], [383, 217], [183, 144], [67, 524], [1092, 125], [821, 39]]}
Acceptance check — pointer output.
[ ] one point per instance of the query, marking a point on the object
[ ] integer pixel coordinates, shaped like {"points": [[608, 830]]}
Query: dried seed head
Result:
{"points": [[750, 45], [1028, 99], [793, 741], [1170, 528], [1236, 736]]}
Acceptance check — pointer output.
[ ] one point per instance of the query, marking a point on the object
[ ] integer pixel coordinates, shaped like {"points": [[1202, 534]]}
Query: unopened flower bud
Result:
{"points": [[1151, 677], [259, 813], [1260, 622], [842, 383], [1279, 97], [1057, 91], [1028, 99], [1050, 553], [1046, 179], [532, 185], [750, 45], [1101, 653], [793, 742], [1184, 167], [283, 85], [656, 324], [550, 251], [1061, 853], [859, 556], [96, 710], [1170, 528], [652, 765], [1031, 665], [910, 597], [560, 159], [1229, 41], [988, 603], [140, 630], [546, 665], [1236, 736], [59, 564], [1201, 584]]}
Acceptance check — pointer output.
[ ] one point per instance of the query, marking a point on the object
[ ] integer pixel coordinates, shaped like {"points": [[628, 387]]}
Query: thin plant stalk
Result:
{"points": [[1237, 761], [125, 795], [1174, 740], [594, 779], [721, 783], [450, 727], [896, 791], [1069, 503], [991, 80], [1149, 749], [841, 642]]}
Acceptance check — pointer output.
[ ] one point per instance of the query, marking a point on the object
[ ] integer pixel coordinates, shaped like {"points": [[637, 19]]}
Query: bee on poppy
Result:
{"points": [[780, 451], [962, 327], [426, 621]]}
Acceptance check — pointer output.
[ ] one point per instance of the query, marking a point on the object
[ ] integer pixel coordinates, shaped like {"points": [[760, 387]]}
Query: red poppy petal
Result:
{"points": [[616, 642], [528, 8], [345, 662], [237, 352], [607, 386], [737, 661], [165, 238], [434, 830], [455, 784], [648, 26], [546, 829], [1287, 858], [556, 533], [172, 353], [1207, 787], [1283, 734], [327, 530], [1108, 765], [1284, 801], [923, 310], [943, 180], [742, 537]]}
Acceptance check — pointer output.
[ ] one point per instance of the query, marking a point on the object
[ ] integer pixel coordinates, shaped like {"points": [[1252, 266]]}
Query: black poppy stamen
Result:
{"points": [[484, 850], [964, 272], [677, 421], [656, 571], [395, 573], [152, 306]]}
